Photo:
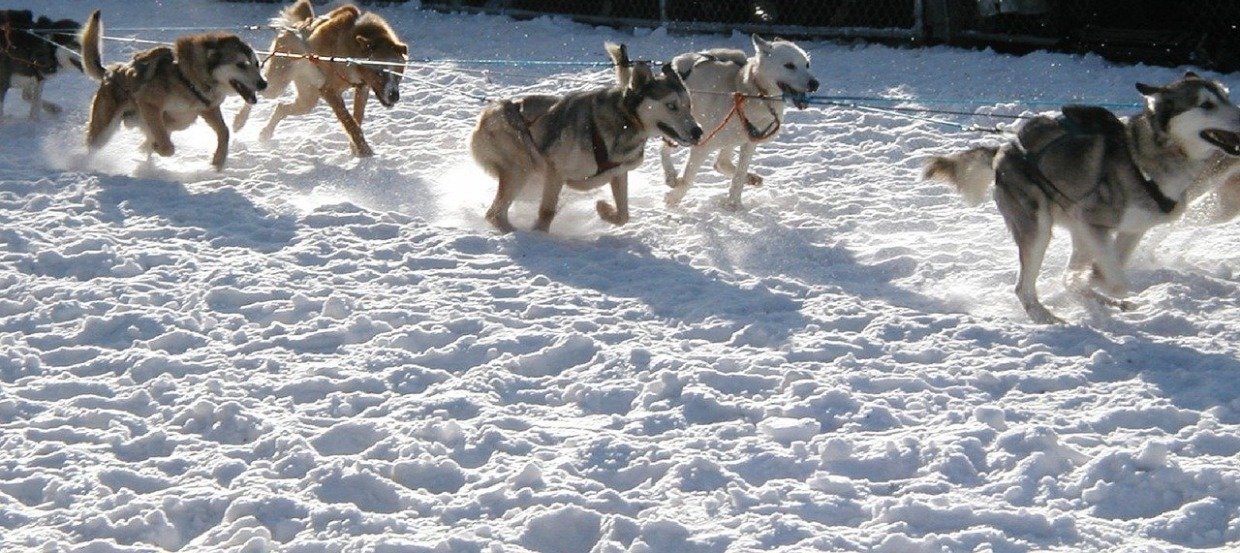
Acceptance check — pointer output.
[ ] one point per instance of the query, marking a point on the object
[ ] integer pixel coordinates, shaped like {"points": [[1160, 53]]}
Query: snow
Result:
{"points": [[307, 352]]}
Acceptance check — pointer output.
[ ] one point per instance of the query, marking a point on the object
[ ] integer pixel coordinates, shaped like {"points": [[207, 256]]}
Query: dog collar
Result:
{"points": [[192, 88], [1165, 204]]}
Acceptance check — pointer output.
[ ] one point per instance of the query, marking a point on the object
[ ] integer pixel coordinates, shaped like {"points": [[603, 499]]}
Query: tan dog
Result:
{"points": [[345, 32], [166, 89]]}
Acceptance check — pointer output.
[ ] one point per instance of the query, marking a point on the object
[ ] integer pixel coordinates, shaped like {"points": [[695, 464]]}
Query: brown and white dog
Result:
{"points": [[345, 32], [167, 89]]}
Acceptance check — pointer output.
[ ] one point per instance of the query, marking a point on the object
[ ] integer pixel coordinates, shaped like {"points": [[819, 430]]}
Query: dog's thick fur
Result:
{"points": [[345, 32], [167, 89], [713, 77], [31, 52], [1107, 180], [582, 139]]}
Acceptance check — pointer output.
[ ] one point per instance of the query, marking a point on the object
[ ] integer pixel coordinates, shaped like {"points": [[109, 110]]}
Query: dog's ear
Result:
{"points": [[402, 48], [641, 76], [1149, 90], [760, 45], [670, 73], [364, 42]]}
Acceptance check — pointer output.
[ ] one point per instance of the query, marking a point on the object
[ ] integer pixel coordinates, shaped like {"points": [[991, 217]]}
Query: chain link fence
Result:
{"points": [[1167, 32]]}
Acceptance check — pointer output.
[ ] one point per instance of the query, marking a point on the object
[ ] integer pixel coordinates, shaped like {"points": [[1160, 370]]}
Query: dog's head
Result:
{"points": [[65, 34], [662, 102], [222, 59], [377, 41], [785, 66], [1196, 113]]}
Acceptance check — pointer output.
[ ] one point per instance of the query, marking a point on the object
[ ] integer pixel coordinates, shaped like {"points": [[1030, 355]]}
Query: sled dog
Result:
{"points": [[32, 52], [1106, 180], [582, 139], [344, 32], [738, 100], [166, 89]]}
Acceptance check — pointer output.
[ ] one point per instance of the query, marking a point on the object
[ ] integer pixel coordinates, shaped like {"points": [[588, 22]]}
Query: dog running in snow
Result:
{"points": [[738, 99], [345, 32], [31, 52], [167, 89], [582, 139], [1107, 180]]}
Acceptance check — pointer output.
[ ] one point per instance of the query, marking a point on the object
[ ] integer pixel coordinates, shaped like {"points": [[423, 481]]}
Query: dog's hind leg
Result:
{"points": [[104, 121], [1027, 216], [307, 97], [33, 93], [618, 215], [552, 184], [156, 131], [697, 156], [356, 139], [740, 176], [5, 82], [360, 95], [497, 214]]}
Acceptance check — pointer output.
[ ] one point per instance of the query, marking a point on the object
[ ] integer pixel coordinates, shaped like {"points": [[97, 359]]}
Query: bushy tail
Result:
{"points": [[972, 171], [92, 55], [300, 11], [619, 55], [502, 138]]}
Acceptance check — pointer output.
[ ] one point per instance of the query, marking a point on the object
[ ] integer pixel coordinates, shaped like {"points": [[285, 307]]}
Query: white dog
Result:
{"points": [[738, 101]]}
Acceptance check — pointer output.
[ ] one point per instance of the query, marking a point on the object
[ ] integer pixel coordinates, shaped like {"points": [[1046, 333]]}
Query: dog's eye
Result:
{"points": [[790, 65], [1208, 105], [671, 106]]}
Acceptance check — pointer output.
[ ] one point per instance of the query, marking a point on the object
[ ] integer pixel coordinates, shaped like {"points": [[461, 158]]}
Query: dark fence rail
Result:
{"points": [[1166, 32]]}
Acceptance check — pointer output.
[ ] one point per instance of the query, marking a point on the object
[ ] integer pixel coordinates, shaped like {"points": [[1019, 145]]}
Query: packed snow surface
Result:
{"points": [[308, 352]]}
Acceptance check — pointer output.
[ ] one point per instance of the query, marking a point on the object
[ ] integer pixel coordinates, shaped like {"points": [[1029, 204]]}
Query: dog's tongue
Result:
{"points": [[1227, 141]]}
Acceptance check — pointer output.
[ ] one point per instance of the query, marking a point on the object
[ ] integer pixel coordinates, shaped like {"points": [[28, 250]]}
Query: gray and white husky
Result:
{"points": [[739, 100], [582, 139], [1107, 180]]}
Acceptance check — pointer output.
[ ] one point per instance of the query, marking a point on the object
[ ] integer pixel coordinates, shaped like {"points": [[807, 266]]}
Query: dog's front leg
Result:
{"points": [[618, 215], [740, 178], [552, 184], [156, 131], [669, 168], [215, 120], [697, 156], [5, 82], [361, 94], [356, 140], [33, 93]]}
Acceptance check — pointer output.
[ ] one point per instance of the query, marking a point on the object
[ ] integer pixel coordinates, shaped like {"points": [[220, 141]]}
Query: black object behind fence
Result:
{"points": [[1166, 32]]}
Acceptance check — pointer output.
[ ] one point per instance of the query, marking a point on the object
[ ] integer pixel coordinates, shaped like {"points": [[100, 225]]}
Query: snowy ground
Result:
{"points": [[312, 353]]}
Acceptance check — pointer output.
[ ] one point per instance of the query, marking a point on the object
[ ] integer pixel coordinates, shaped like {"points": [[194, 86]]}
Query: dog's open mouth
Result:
{"points": [[1226, 141], [799, 98], [674, 136], [246, 92]]}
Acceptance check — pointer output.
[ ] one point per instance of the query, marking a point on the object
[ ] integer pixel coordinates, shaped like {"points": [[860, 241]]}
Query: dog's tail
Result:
{"points": [[92, 55], [619, 55], [299, 12], [972, 171], [502, 137]]}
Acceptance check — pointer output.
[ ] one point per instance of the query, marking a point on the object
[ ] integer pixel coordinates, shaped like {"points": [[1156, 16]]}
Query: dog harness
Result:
{"points": [[599, 147], [192, 88], [1079, 121]]}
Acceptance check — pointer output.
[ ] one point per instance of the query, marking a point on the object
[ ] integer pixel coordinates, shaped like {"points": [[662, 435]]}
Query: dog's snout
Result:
{"points": [[813, 85], [696, 134], [262, 85], [393, 96]]}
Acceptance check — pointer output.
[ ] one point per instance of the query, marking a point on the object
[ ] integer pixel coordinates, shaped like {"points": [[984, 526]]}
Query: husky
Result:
{"points": [[31, 52], [1107, 180], [582, 139], [739, 99], [345, 32], [167, 89]]}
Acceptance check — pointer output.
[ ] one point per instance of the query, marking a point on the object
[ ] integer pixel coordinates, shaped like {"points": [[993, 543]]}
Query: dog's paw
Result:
{"points": [[673, 197], [363, 151], [266, 134], [754, 180], [164, 149], [731, 204], [1041, 315], [609, 213]]}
